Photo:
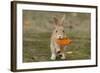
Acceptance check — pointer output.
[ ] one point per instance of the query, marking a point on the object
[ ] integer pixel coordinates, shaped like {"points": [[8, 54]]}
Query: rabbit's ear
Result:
{"points": [[55, 20], [62, 19]]}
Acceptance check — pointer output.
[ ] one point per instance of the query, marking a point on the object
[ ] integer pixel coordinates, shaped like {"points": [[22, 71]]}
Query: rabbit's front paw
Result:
{"points": [[53, 57]]}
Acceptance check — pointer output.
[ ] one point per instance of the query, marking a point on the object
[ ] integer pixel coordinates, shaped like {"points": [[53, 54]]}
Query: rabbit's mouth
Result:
{"points": [[60, 36]]}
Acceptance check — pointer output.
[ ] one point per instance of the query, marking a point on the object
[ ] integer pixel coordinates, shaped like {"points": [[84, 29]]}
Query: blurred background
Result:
{"points": [[37, 29]]}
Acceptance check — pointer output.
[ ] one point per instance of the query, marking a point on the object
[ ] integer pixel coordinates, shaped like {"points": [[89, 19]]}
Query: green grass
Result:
{"points": [[36, 48]]}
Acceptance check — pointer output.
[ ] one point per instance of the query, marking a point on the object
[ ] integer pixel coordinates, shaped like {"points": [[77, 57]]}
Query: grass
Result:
{"points": [[36, 48]]}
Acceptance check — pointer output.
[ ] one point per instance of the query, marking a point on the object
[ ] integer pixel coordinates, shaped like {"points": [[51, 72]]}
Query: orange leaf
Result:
{"points": [[63, 42]]}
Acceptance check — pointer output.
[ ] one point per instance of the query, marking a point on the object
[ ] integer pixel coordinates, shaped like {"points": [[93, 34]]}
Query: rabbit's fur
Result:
{"points": [[58, 32]]}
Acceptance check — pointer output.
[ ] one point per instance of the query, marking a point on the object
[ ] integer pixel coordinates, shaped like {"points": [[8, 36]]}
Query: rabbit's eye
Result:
{"points": [[56, 31], [63, 31]]}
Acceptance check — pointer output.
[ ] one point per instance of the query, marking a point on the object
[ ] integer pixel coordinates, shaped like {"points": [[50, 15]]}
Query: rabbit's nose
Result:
{"points": [[60, 37]]}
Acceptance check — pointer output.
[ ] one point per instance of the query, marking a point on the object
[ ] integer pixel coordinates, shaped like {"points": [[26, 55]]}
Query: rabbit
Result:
{"points": [[58, 32]]}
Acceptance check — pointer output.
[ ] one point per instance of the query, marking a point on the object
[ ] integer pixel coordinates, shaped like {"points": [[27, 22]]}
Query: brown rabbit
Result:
{"points": [[57, 33]]}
